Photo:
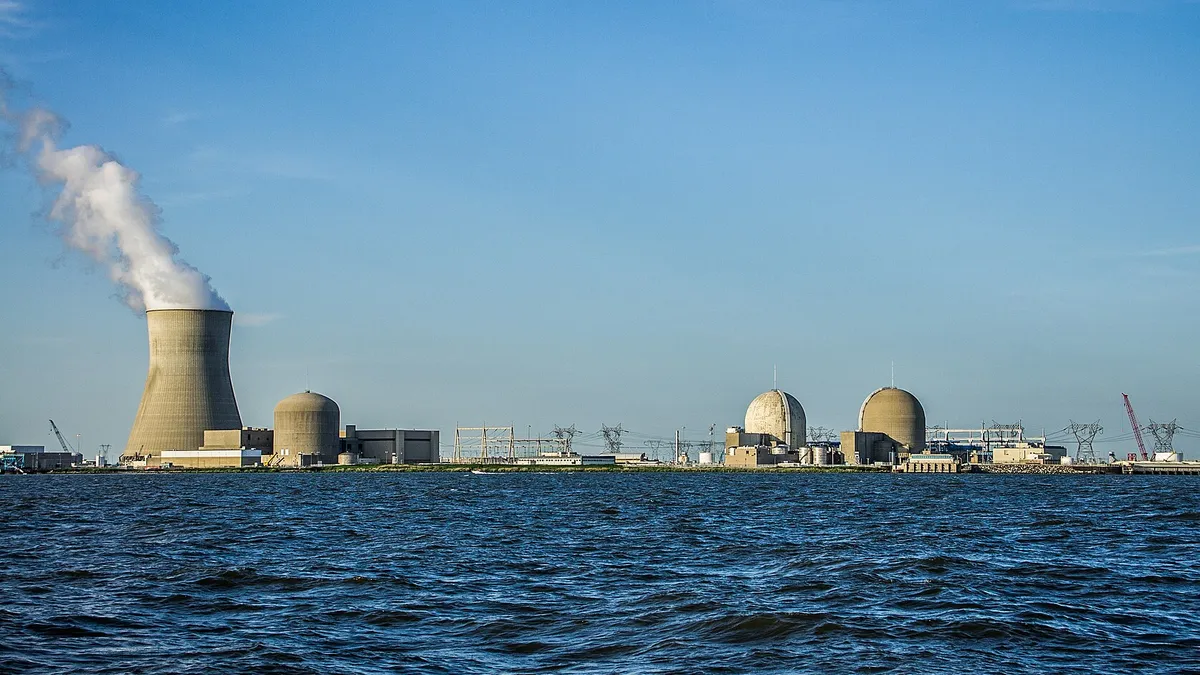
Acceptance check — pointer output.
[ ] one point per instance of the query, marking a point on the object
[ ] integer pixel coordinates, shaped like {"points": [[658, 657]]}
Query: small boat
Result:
{"points": [[479, 472]]}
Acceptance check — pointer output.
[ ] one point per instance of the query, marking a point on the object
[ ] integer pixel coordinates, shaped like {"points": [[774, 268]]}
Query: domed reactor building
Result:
{"points": [[775, 428], [307, 427], [778, 414], [891, 426]]}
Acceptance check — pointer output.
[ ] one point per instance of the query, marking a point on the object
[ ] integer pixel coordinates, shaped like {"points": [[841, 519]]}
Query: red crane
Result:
{"points": [[1137, 428]]}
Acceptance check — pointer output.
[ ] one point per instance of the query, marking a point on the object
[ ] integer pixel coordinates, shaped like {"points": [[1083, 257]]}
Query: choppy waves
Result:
{"points": [[655, 573]]}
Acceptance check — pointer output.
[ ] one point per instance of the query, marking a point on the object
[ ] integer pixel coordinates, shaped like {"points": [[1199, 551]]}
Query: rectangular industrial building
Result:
{"points": [[1028, 453], [244, 438], [210, 458], [392, 446], [869, 447], [35, 458]]}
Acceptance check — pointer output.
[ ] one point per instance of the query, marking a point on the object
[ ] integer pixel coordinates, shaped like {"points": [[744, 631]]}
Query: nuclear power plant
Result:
{"points": [[891, 430], [188, 416]]}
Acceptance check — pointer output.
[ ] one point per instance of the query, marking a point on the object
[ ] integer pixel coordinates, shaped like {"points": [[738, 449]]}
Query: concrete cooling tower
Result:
{"points": [[188, 388]]}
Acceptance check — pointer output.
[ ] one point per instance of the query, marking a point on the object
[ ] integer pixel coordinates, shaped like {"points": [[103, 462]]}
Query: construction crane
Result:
{"points": [[1137, 428], [62, 441]]}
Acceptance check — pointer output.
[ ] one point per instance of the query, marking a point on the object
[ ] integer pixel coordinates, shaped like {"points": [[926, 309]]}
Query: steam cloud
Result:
{"points": [[102, 214]]}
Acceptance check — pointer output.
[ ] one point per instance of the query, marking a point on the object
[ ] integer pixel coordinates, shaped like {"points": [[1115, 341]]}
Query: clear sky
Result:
{"points": [[546, 213]]}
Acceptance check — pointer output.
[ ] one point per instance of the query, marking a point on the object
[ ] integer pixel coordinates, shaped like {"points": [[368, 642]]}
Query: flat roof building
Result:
{"points": [[392, 446]]}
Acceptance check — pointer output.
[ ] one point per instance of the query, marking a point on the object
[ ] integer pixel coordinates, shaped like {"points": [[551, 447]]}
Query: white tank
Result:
{"points": [[706, 458], [820, 456]]}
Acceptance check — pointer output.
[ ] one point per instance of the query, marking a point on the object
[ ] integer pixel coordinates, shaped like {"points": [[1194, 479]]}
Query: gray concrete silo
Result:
{"points": [[188, 388], [779, 414], [896, 413], [307, 427]]}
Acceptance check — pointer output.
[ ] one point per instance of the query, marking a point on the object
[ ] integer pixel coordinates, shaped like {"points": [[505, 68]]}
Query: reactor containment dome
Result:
{"points": [[307, 425], [188, 388], [779, 414], [896, 413]]}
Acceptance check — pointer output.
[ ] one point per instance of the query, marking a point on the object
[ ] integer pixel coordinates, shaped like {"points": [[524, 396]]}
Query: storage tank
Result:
{"points": [[706, 458], [779, 414], [188, 388], [896, 413], [307, 424]]}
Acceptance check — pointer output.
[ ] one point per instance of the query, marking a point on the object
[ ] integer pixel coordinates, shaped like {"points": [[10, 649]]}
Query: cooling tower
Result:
{"points": [[188, 388]]}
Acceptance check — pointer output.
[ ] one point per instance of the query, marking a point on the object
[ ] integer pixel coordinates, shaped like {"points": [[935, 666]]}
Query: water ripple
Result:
{"points": [[604, 573]]}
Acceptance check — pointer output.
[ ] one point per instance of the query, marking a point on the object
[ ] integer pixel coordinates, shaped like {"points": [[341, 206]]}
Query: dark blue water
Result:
{"points": [[608, 573]]}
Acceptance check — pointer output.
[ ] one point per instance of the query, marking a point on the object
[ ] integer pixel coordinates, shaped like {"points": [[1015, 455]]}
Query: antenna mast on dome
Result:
{"points": [[893, 374], [774, 376]]}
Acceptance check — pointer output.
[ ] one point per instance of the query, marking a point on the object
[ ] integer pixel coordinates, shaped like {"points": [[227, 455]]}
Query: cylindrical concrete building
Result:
{"points": [[188, 388], [898, 414], [307, 424], [779, 414]]}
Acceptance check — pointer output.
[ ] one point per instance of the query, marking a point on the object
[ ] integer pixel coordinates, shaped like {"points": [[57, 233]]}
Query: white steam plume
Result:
{"points": [[102, 214]]}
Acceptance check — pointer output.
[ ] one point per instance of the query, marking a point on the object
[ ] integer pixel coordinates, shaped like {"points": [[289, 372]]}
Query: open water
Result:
{"points": [[599, 573]]}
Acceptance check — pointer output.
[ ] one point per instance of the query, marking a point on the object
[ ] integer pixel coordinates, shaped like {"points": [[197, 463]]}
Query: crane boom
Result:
{"points": [[61, 441], [1137, 428]]}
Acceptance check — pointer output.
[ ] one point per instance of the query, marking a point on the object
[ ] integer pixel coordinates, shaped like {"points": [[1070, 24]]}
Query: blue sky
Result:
{"points": [[544, 212]]}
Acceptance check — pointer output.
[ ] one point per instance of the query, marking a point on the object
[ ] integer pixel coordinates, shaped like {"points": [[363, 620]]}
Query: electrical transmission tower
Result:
{"points": [[1084, 435], [1164, 435], [1007, 433], [822, 434], [565, 434], [657, 446], [612, 437]]}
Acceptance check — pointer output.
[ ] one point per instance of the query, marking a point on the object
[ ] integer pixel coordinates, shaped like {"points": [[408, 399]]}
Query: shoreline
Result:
{"points": [[995, 469]]}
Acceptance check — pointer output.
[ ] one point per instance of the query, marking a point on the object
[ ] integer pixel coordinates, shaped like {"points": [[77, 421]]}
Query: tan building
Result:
{"points": [[869, 447], [212, 458], [751, 450], [925, 462], [223, 448], [1028, 452], [755, 457]]}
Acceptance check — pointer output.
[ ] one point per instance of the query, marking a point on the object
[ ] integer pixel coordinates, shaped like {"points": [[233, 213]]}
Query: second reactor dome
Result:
{"points": [[308, 424], [898, 414], [779, 414]]}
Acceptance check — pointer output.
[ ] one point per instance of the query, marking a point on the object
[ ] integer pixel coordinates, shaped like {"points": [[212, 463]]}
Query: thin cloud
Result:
{"points": [[174, 119], [14, 23], [252, 320], [1172, 251], [271, 165], [1105, 6]]}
